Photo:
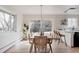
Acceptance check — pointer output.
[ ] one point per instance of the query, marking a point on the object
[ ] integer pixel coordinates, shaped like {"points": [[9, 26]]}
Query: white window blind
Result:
{"points": [[7, 21], [72, 23]]}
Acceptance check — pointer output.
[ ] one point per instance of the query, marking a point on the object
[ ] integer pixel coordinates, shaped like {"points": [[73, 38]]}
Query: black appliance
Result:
{"points": [[76, 39]]}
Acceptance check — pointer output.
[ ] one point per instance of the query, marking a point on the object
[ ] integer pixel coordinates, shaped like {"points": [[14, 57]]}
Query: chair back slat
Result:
{"points": [[40, 41]]}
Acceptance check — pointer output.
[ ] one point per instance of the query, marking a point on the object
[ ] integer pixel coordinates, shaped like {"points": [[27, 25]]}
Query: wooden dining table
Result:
{"points": [[31, 41]]}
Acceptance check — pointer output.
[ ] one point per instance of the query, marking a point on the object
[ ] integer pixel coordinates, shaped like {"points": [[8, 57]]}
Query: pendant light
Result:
{"points": [[69, 10], [41, 20], [41, 11]]}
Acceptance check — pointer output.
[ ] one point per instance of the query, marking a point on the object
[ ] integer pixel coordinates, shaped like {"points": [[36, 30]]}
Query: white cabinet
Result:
{"points": [[69, 35], [69, 38]]}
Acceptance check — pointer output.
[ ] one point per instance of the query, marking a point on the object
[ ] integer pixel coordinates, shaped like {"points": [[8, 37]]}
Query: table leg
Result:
{"points": [[35, 48]]}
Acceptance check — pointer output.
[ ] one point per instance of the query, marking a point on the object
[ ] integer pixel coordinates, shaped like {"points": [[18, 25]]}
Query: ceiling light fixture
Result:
{"points": [[41, 11], [69, 9]]}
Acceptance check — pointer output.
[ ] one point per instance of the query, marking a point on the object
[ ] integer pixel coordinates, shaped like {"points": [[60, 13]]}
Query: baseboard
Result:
{"points": [[5, 48]]}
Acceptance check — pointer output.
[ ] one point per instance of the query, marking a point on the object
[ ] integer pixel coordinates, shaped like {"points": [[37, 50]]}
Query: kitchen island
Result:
{"points": [[69, 36]]}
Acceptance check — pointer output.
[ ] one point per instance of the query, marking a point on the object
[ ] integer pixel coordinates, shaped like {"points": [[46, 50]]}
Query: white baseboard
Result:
{"points": [[8, 46]]}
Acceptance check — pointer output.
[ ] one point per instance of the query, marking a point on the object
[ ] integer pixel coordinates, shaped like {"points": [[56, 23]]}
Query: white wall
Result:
{"points": [[7, 38]]}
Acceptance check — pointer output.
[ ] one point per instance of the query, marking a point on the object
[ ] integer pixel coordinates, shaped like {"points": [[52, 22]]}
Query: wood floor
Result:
{"points": [[24, 47]]}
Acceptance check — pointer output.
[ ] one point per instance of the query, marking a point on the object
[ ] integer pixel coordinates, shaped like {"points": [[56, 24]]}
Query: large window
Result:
{"points": [[40, 26], [72, 23], [7, 21]]}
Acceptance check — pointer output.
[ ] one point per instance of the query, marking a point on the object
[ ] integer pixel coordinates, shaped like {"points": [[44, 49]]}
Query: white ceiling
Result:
{"points": [[46, 9]]}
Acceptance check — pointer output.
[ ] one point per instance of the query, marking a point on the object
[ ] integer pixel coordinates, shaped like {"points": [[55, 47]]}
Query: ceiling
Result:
{"points": [[46, 9]]}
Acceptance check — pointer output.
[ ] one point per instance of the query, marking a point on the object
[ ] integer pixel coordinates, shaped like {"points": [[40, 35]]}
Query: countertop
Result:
{"points": [[69, 31]]}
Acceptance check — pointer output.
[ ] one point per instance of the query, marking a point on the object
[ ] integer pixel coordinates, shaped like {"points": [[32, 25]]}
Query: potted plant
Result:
{"points": [[25, 29]]}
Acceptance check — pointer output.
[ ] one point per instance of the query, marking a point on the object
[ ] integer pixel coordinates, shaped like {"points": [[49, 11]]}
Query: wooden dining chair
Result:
{"points": [[50, 43], [62, 35], [56, 37], [59, 36], [30, 42], [40, 43]]}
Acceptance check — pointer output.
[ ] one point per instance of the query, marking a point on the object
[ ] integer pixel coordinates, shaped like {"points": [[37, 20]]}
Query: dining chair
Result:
{"points": [[40, 43], [50, 39], [59, 36], [31, 42], [62, 35], [50, 43], [56, 37]]}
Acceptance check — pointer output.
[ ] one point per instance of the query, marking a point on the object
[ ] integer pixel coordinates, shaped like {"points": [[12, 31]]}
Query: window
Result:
{"points": [[72, 23], [7, 21], [40, 26]]}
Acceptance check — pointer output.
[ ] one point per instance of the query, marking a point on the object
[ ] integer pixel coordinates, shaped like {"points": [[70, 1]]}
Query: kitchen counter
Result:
{"points": [[71, 31], [69, 35]]}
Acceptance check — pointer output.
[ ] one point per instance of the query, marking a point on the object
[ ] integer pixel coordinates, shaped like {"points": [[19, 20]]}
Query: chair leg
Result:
{"points": [[59, 41], [50, 47], [45, 49], [31, 48], [65, 41], [35, 48]]}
